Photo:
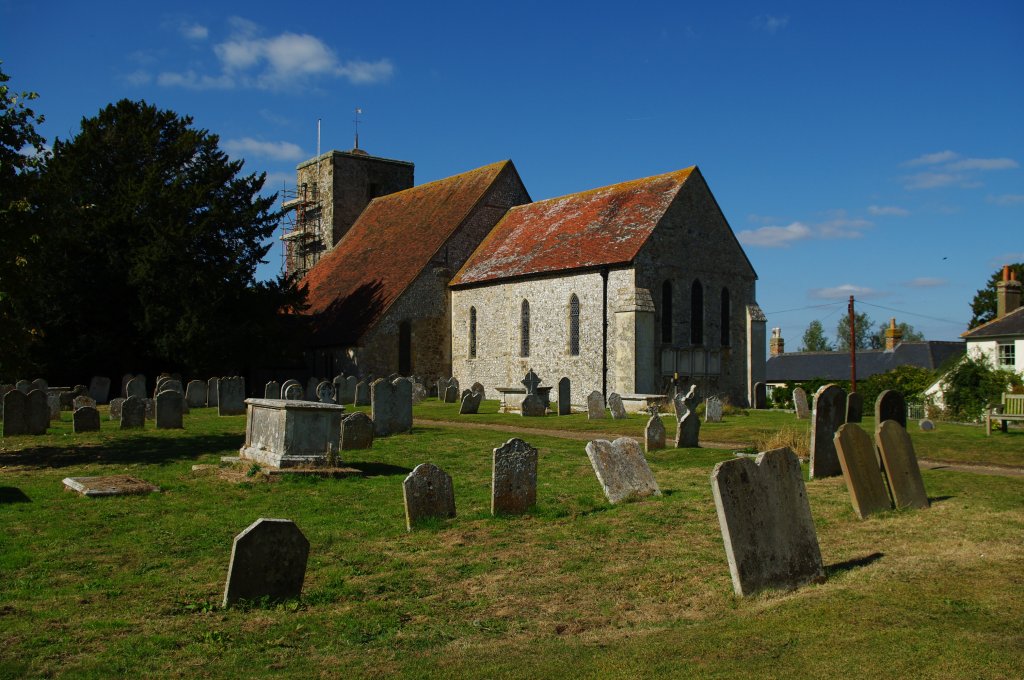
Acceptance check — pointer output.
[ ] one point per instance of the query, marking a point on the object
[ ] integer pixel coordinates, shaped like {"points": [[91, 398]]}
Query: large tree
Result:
{"points": [[983, 306], [864, 334], [814, 338], [152, 238], [909, 334]]}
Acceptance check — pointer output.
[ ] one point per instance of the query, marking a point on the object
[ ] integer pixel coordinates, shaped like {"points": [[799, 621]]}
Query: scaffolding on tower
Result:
{"points": [[303, 229]]}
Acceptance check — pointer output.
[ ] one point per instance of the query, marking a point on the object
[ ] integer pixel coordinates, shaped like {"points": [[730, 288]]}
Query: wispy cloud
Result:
{"points": [[843, 227], [194, 31], [933, 158], [983, 164], [769, 23], [931, 180], [1006, 199], [946, 168], [844, 291], [278, 151], [776, 237], [887, 211], [139, 77], [925, 282]]}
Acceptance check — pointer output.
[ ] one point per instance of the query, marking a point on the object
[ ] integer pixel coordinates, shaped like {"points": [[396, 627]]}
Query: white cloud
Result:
{"points": [[1006, 199], [887, 210], [769, 23], [843, 228], [983, 164], [946, 168], [925, 282], [775, 237], [844, 291], [934, 158], [194, 31], [279, 151], [931, 180], [139, 77], [194, 81]]}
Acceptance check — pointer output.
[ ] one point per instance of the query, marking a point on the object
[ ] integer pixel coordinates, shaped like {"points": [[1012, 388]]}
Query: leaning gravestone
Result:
{"points": [[471, 403], [133, 413], [115, 408], [38, 412], [616, 407], [897, 452], [268, 560], [654, 433], [391, 406], [427, 492], [356, 432], [595, 406], [99, 389], [272, 390], [688, 431], [803, 412], [854, 407], [860, 471], [890, 405], [79, 402], [513, 478], [362, 397], [465, 393], [231, 396], [137, 387], [829, 414], [325, 393], [766, 522], [15, 413], [85, 419], [533, 406], [621, 468], [169, 410], [451, 394], [477, 387], [195, 393], [713, 410], [564, 404]]}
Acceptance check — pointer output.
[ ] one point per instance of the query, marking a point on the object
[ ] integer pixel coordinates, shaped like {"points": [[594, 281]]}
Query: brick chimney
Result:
{"points": [[893, 335], [1007, 293], [776, 345]]}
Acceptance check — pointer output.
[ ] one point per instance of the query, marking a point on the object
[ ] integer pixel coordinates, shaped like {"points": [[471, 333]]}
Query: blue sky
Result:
{"points": [[869, 148]]}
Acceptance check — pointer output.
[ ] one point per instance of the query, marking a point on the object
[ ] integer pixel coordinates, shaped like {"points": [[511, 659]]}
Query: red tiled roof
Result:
{"points": [[394, 239], [593, 228]]}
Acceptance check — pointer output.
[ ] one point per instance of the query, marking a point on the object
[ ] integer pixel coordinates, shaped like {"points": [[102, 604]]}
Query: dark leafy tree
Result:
{"points": [[908, 331], [983, 306], [864, 334], [971, 385], [910, 381], [814, 338]]}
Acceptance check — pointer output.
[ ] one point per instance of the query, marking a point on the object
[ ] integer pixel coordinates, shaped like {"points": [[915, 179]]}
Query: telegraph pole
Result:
{"points": [[853, 348]]}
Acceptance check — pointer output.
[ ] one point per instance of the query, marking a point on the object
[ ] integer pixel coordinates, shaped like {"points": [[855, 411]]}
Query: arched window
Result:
{"points": [[666, 311], [725, 317], [524, 329], [472, 332], [697, 313], [574, 325]]}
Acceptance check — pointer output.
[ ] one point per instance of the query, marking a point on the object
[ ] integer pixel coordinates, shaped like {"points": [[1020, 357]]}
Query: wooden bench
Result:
{"points": [[1012, 408]]}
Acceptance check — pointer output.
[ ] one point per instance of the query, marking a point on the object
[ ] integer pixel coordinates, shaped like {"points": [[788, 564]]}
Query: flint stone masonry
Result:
{"points": [[272, 390], [133, 413], [688, 431], [286, 433], [427, 492], [533, 406], [829, 414], [169, 410], [115, 408], [897, 452], [766, 522], [195, 393], [362, 394], [268, 560], [803, 412], [713, 410], [231, 396], [471, 403], [860, 471], [854, 407], [356, 432], [38, 412], [621, 468], [99, 389], [391, 406], [15, 413], [595, 406], [618, 411], [85, 419], [513, 478], [137, 387], [890, 405], [79, 402], [110, 485], [564, 397], [654, 434]]}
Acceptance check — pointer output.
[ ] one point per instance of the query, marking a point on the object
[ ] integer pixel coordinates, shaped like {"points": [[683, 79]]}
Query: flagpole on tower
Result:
{"points": [[359, 112]]}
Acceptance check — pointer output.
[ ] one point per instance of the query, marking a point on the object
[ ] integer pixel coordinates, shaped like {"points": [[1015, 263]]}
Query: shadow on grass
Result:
{"points": [[379, 469], [938, 499], [11, 494], [841, 567], [136, 449]]}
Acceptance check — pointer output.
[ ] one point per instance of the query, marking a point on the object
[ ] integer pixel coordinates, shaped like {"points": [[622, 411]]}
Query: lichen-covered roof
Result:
{"points": [[392, 241], [600, 227], [1011, 324]]}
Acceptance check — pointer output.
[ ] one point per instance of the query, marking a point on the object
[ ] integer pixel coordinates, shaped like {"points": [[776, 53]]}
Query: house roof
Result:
{"points": [[1006, 325], [599, 227], [390, 244], [930, 354]]}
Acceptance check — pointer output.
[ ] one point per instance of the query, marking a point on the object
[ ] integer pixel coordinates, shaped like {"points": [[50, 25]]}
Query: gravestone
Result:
{"points": [[564, 398], [803, 412], [231, 396], [291, 433], [926, 425], [766, 522], [109, 485], [15, 413], [477, 387], [169, 410], [451, 394], [124, 384], [897, 452], [23, 386], [530, 382], [137, 387], [38, 412], [829, 414], [513, 478], [53, 401], [362, 397], [890, 405], [85, 419], [713, 410], [454, 383], [854, 407], [272, 390], [338, 384], [294, 392], [311, 388], [356, 432], [79, 402], [471, 403], [654, 433], [419, 392], [213, 392], [99, 389], [40, 384], [595, 406], [149, 406], [442, 387], [348, 395], [195, 393], [268, 560], [688, 431], [465, 393], [133, 413], [115, 408], [427, 492], [391, 406], [679, 405], [621, 468], [860, 471], [325, 393], [760, 395], [533, 406], [618, 411]]}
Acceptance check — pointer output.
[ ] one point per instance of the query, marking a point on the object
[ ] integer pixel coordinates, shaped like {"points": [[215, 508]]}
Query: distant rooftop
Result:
{"points": [[795, 366], [1011, 324], [354, 153]]}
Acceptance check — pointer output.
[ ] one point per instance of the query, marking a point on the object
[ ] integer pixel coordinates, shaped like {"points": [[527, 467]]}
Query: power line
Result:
{"points": [[923, 316], [800, 309]]}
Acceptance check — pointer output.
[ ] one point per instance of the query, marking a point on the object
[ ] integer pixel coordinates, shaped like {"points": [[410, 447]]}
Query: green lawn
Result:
{"points": [[579, 588]]}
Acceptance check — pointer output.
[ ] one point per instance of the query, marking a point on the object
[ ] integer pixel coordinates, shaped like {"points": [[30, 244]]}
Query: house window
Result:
{"points": [[1007, 354], [472, 332], [574, 326], [666, 311], [725, 317], [697, 314], [524, 329]]}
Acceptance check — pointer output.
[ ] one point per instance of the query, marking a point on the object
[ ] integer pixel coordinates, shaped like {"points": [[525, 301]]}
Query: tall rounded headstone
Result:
{"points": [[829, 414], [268, 560], [890, 405]]}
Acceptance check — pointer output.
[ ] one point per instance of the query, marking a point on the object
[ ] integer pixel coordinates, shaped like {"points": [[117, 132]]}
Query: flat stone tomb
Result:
{"points": [[85, 419], [427, 492], [803, 412], [285, 433], [897, 452], [621, 468], [616, 407], [111, 485], [860, 470], [829, 414], [268, 560], [890, 405], [766, 522], [356, 432], [513, 478], [654, 434], [595, 406]]}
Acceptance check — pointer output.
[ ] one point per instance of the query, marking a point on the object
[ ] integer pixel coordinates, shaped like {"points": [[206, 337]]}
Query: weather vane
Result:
{"points": [[359, 112]]}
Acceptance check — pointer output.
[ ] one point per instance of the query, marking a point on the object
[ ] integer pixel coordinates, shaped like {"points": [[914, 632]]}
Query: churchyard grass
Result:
{"points": [[580, 588]]}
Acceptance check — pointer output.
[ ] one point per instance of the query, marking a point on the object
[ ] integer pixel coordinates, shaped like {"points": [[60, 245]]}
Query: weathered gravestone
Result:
{"points": [[427, 492], [513, 478], [137, 387], [679, 405], [564, 397], [99, 389], [291, 433], [391, 406], [53, 401], [272, 390], [292, 391], [133, 413], [531, 382], [169, 410], [477, 387], [85, 419], [890, 405], [268, 560], [760, 395], [829, 414], [109, 485], [621, 468], [688, 431], [854, 407], [115, 408], [325, 393], [38, 412], [442, 386], [213, 392], [79, 402], [451, 394], [149, 407], [362, 397], [595, 406], [15, 413], [356, 432], [860, 471], [471, 403], [803, 412], [348, 393], [926, 425], [231, 396], [311, 388], [195, 393], [23, 386], [465, 393], [618, 411], [40, 384], [766, 522], [124, 384], [654, 433], [713, 410], [533, 406], [897, 452], [419, 392]]}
